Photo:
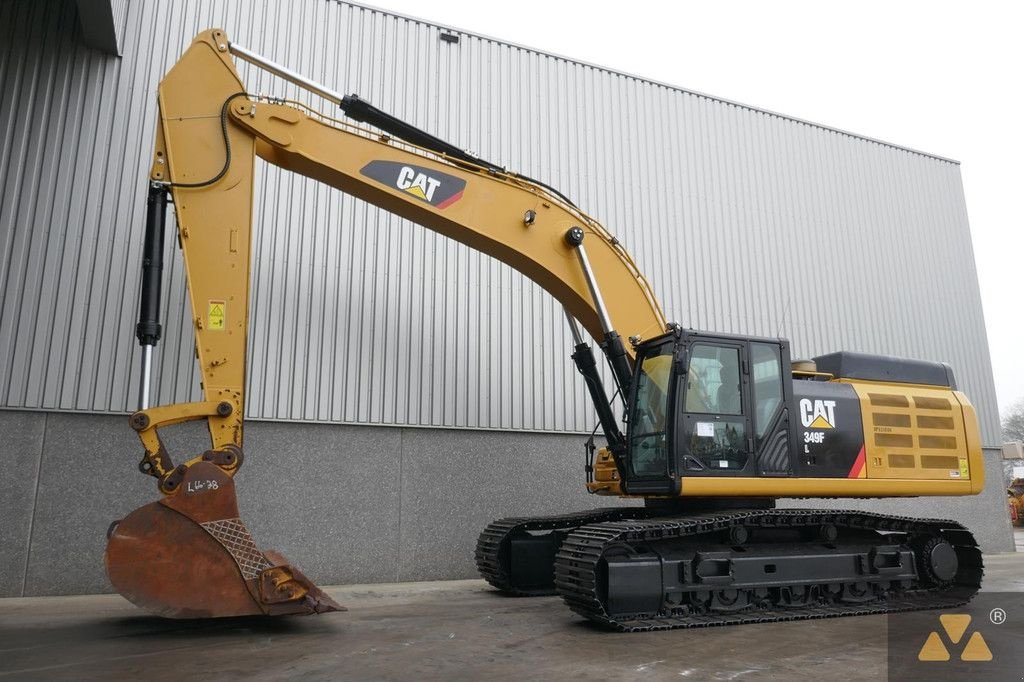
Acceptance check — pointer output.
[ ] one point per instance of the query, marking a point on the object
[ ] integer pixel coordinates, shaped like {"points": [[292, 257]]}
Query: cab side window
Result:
{"points": [[713, 385], [767, 379]]}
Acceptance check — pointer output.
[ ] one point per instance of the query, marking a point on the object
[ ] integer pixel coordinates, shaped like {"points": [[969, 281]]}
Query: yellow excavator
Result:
{"points": [[716, 426]]}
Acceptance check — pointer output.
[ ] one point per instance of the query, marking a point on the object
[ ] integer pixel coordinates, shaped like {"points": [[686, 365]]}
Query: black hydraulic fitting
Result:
{"points": [[587, 366], [615, 351], [574, 236]]}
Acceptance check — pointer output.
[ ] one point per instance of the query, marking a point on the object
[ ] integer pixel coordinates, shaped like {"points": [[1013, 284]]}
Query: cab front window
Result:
{"points": [[648, 440]]}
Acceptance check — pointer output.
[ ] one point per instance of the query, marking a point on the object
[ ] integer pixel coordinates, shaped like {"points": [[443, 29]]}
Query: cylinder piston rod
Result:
{"points": [[612, 346], [144, 379], [284, 72], [574, 238], [577, 338]]}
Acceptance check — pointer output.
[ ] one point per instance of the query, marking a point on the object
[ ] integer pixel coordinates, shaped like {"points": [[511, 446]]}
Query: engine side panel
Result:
{"points": [[913, 432], [828, 430]]}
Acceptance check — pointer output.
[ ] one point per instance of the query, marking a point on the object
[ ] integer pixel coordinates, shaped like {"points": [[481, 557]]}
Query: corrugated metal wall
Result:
{"points": [[744, 221], [119, 9]]}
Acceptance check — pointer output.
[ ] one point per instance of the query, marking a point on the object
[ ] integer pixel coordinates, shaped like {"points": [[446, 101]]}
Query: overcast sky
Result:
{"points": [[942, 77]]}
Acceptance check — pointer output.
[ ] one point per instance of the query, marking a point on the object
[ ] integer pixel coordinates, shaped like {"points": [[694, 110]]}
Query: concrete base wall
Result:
{"points": [[347, 504]]}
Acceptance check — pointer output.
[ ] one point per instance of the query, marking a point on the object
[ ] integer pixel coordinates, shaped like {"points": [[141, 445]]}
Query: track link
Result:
{"points": [[578, 559], [493, 545]]}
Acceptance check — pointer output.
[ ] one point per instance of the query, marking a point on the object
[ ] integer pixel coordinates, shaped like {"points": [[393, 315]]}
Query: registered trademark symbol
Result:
{"points": [[997, 616]]}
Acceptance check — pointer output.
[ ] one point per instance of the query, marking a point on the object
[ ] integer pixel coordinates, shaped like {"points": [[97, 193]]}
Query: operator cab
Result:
{"points": [[707, 405]]}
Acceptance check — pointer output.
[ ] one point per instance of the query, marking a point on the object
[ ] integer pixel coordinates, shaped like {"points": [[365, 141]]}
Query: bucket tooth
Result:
{"points": [[190, 555]]}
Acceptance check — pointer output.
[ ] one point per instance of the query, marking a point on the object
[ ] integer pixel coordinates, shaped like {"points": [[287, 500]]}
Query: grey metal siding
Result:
{"points": [[119, 10], [744, 221]]}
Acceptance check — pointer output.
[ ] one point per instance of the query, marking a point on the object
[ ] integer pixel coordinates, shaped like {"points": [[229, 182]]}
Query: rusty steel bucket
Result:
{"points": [[189, 555]]}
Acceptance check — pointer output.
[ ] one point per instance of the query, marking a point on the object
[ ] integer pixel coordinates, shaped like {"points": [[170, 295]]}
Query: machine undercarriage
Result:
{"points": [[636, 569]]}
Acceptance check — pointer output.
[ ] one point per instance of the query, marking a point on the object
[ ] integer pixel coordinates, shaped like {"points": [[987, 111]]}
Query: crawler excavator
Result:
{"points": [[716, 426]]}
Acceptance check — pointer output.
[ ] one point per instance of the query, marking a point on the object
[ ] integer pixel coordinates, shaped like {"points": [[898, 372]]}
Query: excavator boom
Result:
{"points": [[189, 554]]}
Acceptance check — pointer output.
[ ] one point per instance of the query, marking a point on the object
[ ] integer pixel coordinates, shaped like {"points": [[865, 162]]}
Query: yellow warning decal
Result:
{"points": [[215, 315], [963, 467]]}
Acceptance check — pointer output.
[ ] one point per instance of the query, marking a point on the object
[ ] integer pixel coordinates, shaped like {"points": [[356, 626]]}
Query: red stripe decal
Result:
{"points": [[858, 465], [449, 201]]}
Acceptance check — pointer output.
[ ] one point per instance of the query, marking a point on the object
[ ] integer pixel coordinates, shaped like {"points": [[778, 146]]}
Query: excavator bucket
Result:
{"points": [[189, 555]]}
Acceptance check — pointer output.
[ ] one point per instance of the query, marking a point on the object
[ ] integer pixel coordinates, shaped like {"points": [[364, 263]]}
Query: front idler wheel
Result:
{"points": [[937, 562]]}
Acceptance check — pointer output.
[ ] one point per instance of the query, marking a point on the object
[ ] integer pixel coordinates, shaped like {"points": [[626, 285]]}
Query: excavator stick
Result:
{"points": [[190, 555]]}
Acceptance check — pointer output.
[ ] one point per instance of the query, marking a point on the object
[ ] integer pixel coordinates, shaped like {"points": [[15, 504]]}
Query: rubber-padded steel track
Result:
{"points": [[577, 566], [492, 546]]}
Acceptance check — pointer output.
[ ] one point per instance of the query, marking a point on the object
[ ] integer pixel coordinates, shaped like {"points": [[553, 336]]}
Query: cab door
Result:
{"points": [[714, 433], [708, 406]]}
